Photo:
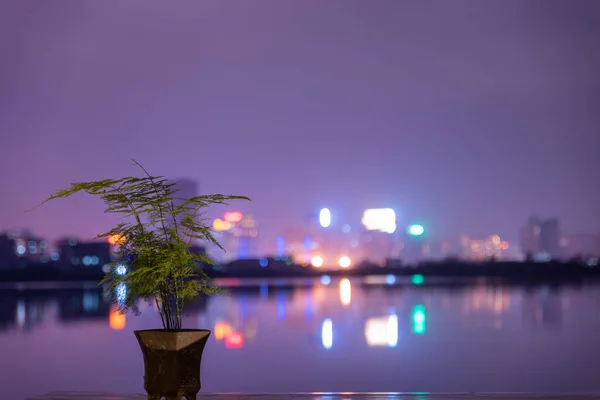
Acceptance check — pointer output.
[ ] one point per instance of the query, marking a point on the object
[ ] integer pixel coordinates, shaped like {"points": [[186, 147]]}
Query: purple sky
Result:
{"points": [[467, 116]]}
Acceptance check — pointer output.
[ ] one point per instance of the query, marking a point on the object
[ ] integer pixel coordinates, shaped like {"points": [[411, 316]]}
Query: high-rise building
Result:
{"points": [[186, 188], [550, 238], [541, 238]]}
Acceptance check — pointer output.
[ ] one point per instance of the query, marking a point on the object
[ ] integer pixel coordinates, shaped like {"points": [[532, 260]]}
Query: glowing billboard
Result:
{"points": [[380, 219]]}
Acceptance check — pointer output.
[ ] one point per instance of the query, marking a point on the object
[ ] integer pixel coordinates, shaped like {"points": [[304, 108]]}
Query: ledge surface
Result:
{"points": [[327, 396]]}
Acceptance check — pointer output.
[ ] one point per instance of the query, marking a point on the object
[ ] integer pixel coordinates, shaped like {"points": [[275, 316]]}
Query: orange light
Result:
{"points": [[115, 239], [116, 320], [233, 216], [222, 329], [235, 340], [220, 225]]}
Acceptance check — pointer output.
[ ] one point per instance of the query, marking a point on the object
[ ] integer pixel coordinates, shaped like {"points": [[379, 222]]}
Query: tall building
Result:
{"points": [[187, 188], [541, 238], [550, 238], [8, 256]]}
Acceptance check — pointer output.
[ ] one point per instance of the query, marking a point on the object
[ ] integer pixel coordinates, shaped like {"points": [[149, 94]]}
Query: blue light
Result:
{"points": [[281, 306], [280, 247], [21, 249], [263, 262], [242, 249], [390, 279], [264, 291], [307, 243], [345, 228], [325, 280]]}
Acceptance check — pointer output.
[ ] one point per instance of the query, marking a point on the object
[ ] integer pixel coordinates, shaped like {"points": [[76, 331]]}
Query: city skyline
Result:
{"points": [[467, 118]]}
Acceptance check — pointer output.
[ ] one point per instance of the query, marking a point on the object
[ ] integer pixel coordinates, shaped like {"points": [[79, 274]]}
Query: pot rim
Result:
{"points": [[161, 330]]}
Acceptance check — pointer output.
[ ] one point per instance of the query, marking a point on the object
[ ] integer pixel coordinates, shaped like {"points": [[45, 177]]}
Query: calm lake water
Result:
{"points": [[362, 334]]}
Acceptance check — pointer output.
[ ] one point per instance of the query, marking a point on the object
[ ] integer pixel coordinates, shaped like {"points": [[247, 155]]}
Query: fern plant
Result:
{"points": [[157, 231]]}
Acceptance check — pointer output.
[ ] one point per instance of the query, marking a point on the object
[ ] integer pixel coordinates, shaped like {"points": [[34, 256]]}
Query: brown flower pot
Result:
{"points": [[172, 362]]}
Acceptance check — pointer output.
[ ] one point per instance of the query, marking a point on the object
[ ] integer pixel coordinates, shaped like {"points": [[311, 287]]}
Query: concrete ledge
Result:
{"points": [[327, 396]]}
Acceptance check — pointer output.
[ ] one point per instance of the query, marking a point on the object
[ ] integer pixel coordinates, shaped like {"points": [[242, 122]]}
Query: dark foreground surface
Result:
{"points": [[323, 396]]}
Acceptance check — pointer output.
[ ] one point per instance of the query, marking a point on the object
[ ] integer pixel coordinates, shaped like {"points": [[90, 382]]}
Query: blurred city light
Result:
{"points": [[221, 329], [234, 340], [382, 331], [233, 216], [416, 230], [419, 319], [325, 280], [390, 279], [344, 261], [121, 269], [325, 217], [121, 293], [115, 239], [116, 319], [327, 333], [317, 261], [220, 225], [345, 291], [417, 279], [380, 219]]}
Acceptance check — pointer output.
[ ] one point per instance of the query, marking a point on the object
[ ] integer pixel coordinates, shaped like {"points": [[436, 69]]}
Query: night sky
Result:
{"points": [[466, 116]]}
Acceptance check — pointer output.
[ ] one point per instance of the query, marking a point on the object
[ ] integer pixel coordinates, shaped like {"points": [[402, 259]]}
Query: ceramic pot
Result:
{"points": [[172, 362]]}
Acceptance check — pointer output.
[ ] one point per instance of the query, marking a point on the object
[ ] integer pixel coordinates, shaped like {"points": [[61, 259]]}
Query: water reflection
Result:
{"points": [[327, 333], [345, 292], [383, 326]]}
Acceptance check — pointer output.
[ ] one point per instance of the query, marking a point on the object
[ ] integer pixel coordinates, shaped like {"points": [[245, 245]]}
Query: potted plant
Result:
{"points": [[155, 236]]}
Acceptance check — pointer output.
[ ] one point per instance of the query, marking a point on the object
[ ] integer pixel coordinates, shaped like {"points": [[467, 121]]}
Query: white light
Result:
{"points": [[21, 249], [121, 269], [325, 217], [380, 219], [121, 293], [382, 331], [327, 333], [317, 261], [345, 262], [345, 292]]}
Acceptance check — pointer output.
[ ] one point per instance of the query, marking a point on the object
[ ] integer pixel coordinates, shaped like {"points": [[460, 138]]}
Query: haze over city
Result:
{"points": [[466, 116]]}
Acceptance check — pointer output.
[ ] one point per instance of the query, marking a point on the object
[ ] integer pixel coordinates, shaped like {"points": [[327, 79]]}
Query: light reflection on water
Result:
{"points": [[323, 335]]}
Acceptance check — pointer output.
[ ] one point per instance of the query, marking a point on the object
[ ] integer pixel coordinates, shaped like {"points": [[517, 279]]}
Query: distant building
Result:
{"points": [[28, 249], [580, 245], [8, 256], [541, 239], [237, 233], [85, 254], [187, 188]]}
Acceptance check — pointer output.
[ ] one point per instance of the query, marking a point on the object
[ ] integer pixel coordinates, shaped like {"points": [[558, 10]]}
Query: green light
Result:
{"points": [[419, 319], [416, 230], [417, 279]]}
